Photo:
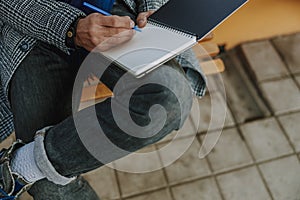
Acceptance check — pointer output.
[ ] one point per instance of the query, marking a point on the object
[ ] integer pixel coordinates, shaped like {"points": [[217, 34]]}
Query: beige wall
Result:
{"points": [[259, 19]]}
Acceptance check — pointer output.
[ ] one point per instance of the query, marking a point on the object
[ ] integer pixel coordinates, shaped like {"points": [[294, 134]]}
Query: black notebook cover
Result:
{"points": [[197, 17]]}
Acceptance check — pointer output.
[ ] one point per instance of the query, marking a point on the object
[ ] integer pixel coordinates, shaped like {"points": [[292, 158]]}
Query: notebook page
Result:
{"points": [[150, 48]]}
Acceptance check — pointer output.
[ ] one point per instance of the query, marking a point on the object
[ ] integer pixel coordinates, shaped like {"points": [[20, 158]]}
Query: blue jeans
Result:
{"points": [[41, 95]]}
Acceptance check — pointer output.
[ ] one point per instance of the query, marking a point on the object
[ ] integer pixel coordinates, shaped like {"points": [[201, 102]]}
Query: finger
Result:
{"points": [[142, 18], [116, 40], [116, 21], [110, 32], [112, 42], [120, 38]]}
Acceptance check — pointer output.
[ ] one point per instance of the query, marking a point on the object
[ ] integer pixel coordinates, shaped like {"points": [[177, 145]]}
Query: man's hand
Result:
{"points": [[142, 18], [103, 32]]}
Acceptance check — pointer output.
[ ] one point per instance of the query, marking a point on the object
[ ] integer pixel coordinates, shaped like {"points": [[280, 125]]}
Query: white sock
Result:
{"points": [[24, 164]]}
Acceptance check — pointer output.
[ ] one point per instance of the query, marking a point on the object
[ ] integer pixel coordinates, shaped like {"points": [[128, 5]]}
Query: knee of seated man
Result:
{"points": [[170, 90]]}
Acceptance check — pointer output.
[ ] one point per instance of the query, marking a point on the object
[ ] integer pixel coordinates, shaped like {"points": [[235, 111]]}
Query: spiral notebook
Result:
{"points": [[172, 29]]}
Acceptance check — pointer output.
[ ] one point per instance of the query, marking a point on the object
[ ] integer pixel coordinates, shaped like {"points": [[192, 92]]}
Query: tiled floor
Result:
{"points": [[257, 159], [249, 178], [263, 50], [275, 90], [266, 139], [282, 177], [291, 125]]}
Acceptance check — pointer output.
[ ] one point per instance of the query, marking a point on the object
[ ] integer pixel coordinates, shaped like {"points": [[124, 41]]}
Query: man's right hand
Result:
{"points": [[103, 32]]}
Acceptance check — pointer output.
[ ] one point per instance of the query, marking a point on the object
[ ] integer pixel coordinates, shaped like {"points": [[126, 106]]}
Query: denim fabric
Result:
{"points": [[18, 39], [44, 165], [78, 189], [41, 95]]}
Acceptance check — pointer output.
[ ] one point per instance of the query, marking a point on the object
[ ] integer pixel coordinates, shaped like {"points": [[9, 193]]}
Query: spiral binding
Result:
{"points": [[173, 29]]}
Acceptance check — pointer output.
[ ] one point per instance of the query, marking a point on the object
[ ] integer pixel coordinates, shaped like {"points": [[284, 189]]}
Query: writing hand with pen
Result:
{"points": [[102, 32]]}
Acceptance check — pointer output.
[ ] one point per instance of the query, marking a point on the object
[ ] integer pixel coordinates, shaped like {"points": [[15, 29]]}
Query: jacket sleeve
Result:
{"points": [[145, 5], [45, 20]]}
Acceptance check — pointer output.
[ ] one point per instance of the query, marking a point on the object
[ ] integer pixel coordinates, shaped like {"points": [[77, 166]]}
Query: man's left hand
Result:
{"points": [[141, 20]]}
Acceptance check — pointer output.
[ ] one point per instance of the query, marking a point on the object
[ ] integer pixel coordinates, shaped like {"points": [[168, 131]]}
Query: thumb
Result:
{"points": [[142, 18]]}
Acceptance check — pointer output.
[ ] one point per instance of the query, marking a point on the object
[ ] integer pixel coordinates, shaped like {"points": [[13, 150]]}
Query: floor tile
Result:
{"points": [[283, 177], [229, 152], [283, 95], [291, 126], [243, 184], [212, 84], [104, 182], [264, 60], [288, 47], [145, 160], [137, 183], [134, 183], [157, 195], [212, 115], [199, 190], [188, 166], [266, 139]]}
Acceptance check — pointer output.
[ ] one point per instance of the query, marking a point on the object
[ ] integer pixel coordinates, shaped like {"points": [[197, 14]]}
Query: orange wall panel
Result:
{"points": [[259, 19]]}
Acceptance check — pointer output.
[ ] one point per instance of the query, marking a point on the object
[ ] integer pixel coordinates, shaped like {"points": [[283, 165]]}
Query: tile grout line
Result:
{"points": [[208, 176], [287, 76], [241, 167], [145, 192], [250, 152], [118, 183], [207, 160], [217, 129], [292, 75], [195, 135], [212, 172], [165, 175], [238, 128], [286, 136], [218, 173], [255, 163]]}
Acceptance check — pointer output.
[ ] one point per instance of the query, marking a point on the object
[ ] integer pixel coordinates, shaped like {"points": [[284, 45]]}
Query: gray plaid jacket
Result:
{"points": [[23, 22]]}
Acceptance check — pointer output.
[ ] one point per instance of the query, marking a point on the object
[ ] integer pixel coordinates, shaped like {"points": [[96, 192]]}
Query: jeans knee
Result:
{"points": [[178, 105], [158, 104], [170, 115], [171, 105]]}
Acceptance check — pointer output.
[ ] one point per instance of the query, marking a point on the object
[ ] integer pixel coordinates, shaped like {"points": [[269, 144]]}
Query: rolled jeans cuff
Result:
{"points": [[43, 162]]}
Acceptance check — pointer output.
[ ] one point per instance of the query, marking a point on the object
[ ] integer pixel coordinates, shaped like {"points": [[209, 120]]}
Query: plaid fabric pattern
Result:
{"points": [[23, 22], [6, 118], [193, 72]]}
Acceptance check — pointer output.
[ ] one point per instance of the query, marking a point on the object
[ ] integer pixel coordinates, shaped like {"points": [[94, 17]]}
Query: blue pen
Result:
{"points": [[103, 12]]}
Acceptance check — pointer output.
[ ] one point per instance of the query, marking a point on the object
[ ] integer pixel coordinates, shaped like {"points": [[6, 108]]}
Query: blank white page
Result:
{"points": [[149, 49]]}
